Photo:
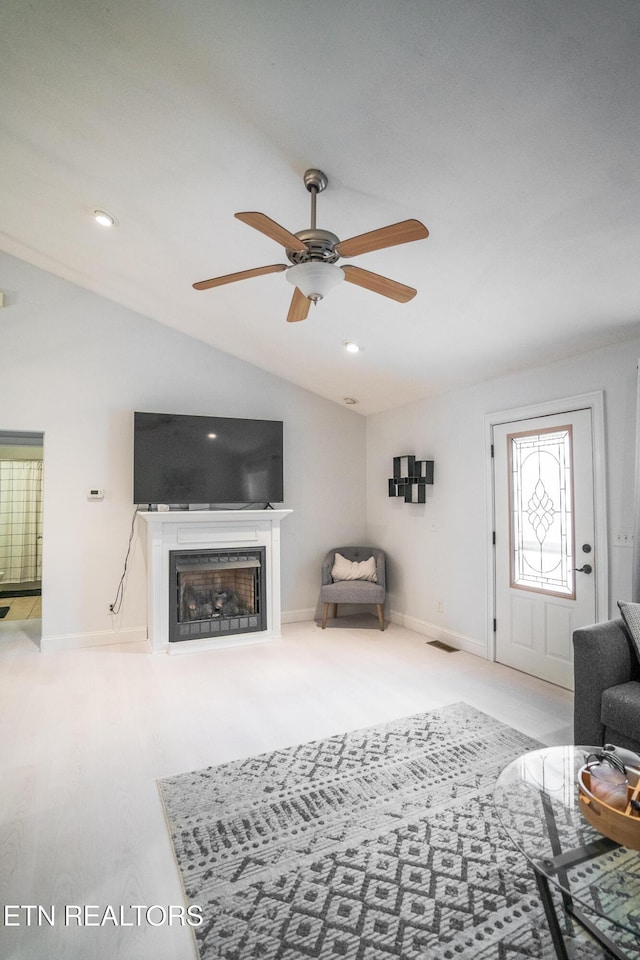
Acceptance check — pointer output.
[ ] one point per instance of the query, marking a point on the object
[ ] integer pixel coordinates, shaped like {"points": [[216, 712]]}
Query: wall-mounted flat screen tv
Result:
{"points": [[181, 460]]}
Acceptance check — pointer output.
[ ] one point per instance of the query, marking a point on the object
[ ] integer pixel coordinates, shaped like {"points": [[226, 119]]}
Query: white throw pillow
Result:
{"points": [[344, 569]]}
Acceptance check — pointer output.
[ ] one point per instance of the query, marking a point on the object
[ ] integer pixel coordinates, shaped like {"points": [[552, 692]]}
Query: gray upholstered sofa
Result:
{"points": [[607, 686]]}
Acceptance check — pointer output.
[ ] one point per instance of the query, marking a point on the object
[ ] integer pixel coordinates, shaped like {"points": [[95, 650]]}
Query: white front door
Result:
{"points": [[545, 571]]}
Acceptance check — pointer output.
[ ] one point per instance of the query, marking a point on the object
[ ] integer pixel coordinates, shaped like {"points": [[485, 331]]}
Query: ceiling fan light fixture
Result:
{"points": [[315, 279]]}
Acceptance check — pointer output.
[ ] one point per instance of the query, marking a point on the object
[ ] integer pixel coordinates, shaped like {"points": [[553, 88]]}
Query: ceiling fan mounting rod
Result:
{"points": [[314, 194], [315, 181]]}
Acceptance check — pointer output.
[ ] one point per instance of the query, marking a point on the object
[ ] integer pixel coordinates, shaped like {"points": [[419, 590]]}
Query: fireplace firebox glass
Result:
{"points": [[216, 593]]}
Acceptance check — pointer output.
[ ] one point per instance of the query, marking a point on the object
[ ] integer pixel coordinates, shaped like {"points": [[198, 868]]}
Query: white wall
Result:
{"points": [[438, 551], [75, 367]]}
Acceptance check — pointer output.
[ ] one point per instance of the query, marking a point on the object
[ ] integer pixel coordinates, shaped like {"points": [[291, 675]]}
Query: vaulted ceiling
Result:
{"points": [[511, 128]]}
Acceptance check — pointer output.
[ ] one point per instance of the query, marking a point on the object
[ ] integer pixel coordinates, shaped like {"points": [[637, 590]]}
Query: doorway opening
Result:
{"points": [[21, 535]]}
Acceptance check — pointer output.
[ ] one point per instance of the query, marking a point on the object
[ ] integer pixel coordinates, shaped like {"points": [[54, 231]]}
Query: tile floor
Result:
{"points": [[22, 608]]}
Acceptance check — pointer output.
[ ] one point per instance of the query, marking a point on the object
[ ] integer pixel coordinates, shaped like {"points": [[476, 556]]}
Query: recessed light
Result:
{"points": [[103, 218], [351, 347], [212, 436], [350, 401]]}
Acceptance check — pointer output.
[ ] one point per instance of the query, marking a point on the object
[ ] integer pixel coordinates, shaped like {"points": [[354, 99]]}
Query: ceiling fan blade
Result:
{"points": [[243, 275], [263, 223], [299, 309], [376, 283], [403, 232]]}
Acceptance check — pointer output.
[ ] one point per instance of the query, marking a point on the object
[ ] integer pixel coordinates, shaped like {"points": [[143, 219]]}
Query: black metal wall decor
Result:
{"points": [[410, 479]]}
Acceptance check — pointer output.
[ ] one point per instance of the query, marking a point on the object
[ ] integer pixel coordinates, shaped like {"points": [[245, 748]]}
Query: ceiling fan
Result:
{"points": [[313, 254]]}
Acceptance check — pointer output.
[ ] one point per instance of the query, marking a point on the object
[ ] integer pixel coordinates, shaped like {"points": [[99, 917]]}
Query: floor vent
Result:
{"points": [[442, 646]]}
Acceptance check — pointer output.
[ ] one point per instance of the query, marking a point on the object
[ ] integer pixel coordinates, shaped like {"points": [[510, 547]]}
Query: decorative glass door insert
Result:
{"points": [[541, 511]]}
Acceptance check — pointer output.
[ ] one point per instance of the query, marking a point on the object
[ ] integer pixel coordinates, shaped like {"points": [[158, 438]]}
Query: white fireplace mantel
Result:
{"points": [[184, 530]]}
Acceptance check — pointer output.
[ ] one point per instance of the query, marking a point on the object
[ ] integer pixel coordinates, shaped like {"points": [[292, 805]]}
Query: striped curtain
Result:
{"points": [[21, 520]]}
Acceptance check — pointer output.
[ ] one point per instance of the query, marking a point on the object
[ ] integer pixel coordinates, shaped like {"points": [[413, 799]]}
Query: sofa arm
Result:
{"points": [[602, 657]]}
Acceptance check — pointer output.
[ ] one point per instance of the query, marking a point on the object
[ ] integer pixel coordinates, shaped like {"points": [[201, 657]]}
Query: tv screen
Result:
{"points": [[206, 460]]}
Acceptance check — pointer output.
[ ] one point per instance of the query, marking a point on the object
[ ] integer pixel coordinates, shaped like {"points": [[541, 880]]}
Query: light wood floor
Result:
{"points": [[85, 734]]}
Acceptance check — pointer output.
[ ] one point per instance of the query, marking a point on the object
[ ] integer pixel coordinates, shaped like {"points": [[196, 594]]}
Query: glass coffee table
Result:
{"points": [[536, 799]]}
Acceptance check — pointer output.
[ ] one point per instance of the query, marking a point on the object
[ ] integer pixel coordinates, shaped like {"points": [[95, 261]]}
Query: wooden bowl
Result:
{"points": [[623, 826]]}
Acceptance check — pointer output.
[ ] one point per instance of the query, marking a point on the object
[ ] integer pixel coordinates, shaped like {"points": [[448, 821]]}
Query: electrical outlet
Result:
{"points": [[440, 607]]}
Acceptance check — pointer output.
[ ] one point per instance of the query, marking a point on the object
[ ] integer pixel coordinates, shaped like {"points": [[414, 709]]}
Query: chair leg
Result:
{"points": [[325, 611], [335, 611], [380, 610]]}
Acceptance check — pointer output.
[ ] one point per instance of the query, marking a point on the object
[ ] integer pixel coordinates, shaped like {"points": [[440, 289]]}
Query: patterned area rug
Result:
{"points": [[376, 844]]}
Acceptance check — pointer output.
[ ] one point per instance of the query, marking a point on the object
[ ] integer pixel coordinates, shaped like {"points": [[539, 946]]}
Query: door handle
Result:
{"points": [[587, 568]]}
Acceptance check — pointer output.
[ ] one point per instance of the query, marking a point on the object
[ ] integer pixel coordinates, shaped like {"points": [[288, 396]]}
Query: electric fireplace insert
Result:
{"points": [[216, 593]]}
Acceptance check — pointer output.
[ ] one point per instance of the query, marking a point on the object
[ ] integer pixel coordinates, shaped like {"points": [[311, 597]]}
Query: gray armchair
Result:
{"points": [[607, 686], [353, 591]]}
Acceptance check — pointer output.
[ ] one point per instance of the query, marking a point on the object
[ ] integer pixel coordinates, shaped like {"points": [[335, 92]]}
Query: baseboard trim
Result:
{"points": [[436, 632], [75, 641], [298, 616]]}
